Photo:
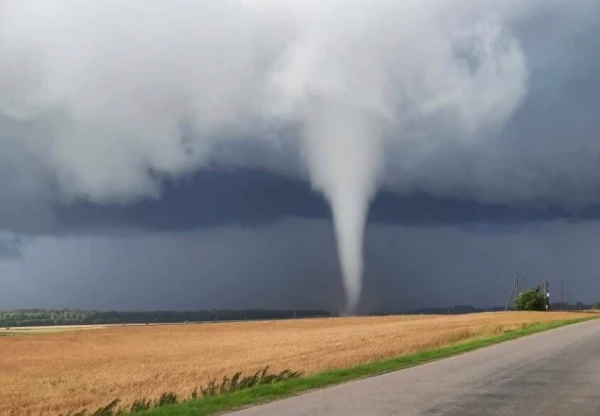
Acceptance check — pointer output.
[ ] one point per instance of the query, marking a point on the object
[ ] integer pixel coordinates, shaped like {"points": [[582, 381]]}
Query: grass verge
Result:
{"points": [[266, 393]]}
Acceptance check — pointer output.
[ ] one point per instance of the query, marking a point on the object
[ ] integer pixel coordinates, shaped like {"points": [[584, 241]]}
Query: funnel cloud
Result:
{"points": [[107, 100]]}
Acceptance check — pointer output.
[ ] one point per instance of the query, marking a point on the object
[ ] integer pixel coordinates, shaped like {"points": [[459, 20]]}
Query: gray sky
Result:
{"points": [[173, 169], [229, 267]]}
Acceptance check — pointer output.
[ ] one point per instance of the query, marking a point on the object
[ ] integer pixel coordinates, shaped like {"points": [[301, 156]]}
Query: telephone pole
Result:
{"points": [[512, 289], [546, 293], [562, 300], [296, 299], [295, 308]]}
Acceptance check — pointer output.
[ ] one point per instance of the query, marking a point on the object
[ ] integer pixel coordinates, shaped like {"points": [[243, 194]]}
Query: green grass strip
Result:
{"points": [[267, 393]]}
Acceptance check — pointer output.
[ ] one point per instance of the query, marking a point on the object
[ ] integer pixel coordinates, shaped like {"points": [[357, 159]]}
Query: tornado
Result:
{"points": [[344, 80], [344, 149]]}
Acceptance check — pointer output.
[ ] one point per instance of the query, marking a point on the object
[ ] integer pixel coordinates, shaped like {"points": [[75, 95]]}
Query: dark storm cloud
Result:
{"points": [[254, 198], [26, 188], [549, 152], [10, 246], [153, 215], [543, 164]]}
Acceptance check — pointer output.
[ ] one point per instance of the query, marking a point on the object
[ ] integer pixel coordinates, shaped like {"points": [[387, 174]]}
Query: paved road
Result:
{"points": [[553, 373]]}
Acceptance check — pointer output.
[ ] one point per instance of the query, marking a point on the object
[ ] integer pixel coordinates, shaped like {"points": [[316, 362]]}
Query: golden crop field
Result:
{"points": [[53, 373]]}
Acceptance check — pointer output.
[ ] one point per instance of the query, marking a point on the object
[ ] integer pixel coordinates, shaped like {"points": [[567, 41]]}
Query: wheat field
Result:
{"points": [[53, 373]]}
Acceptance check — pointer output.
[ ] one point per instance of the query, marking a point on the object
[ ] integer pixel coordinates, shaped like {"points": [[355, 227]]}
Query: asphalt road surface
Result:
{"points": [[551, 373]]}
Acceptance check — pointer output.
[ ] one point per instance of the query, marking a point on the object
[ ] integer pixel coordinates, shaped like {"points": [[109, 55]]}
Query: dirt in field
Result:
{"points": [[62, 372]]}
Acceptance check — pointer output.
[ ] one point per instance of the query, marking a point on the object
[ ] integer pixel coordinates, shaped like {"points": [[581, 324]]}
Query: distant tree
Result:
{"points": [[38, 317], [530, 300]]}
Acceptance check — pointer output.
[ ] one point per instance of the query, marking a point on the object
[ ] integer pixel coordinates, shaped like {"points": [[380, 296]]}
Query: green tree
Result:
{"points": [[530, 300]]}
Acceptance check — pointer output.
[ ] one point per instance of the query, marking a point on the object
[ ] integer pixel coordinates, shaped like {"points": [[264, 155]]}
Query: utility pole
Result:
{"points": [[543, 290], [512, 289], [562, 300], [296, 299], [295, 308], [546, 293]]}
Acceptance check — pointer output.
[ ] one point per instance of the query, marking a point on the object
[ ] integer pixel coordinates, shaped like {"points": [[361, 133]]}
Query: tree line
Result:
{"points": [[527, 300], [534, 300], [47, 317]]}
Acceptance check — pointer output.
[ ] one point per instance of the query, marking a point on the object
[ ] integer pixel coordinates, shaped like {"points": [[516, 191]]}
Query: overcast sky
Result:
{"points": [[155, 156]]}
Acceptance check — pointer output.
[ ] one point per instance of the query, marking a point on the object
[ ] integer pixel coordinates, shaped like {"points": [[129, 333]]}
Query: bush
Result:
{"points": [[235, 383], [214, 388], [140, 405], [530, 300], [108, 410], [166, 398]]}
